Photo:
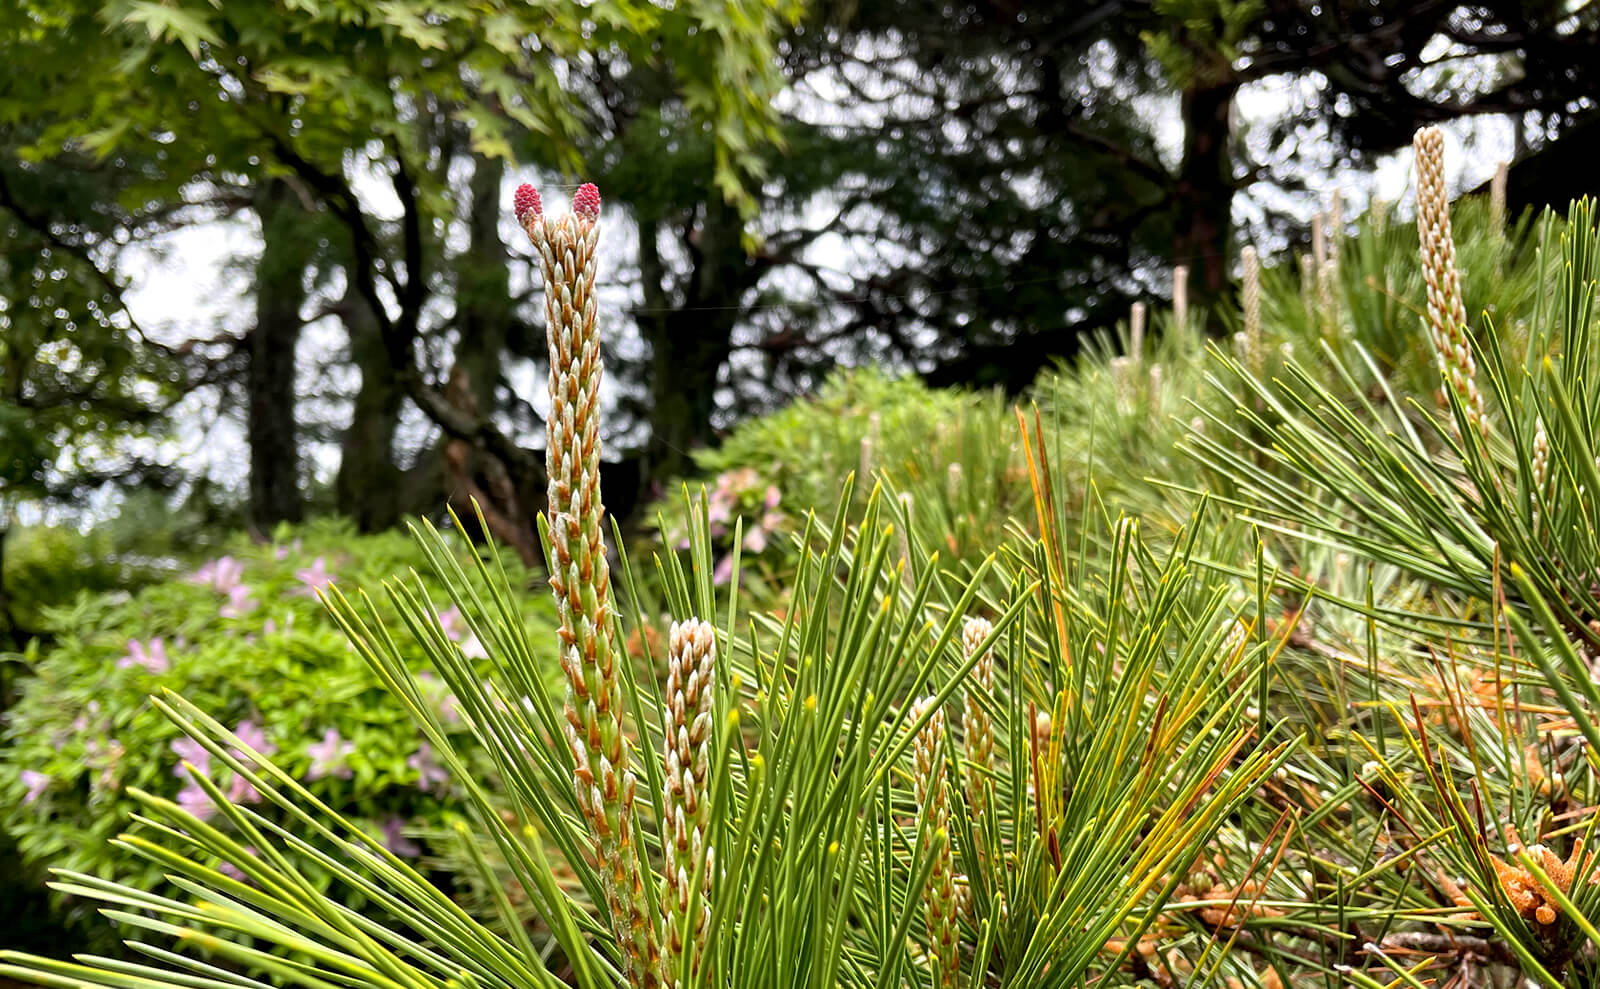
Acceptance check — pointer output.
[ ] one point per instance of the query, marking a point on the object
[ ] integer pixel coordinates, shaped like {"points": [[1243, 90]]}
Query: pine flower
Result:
{"points": [[940, 902], [526, 201], [1180, 296], [1447, 315], [1541, 471], [581, 577], [1541, 459], [976, 726], [691, 695], [1497, 198], [1250, 262]]}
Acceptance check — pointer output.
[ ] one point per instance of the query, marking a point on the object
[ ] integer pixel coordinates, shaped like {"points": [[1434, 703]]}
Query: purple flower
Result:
{"points": [[755, 540], [152, 658], [316, 577], [36, 782], [327, 757], [234, 872], [724, 571], [221, 575], [240, 603], [450, 623], [431, 774], [772, 498], [252, 736], [396, 840], [192, 752], [194, 800], [241, 792]]}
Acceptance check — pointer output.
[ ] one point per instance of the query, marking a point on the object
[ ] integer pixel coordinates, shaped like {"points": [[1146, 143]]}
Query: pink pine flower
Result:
{"points": [[526, 202], [152, 658], [36, 783], [586, 202]]}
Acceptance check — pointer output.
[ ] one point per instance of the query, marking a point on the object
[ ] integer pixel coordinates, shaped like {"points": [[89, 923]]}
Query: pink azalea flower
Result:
{"points": [[724, 571], [316, 577], [241, 792], [396, 840], [221, 575], [240, 603], [473, 649], [152, 658], [755, 540], [194, 800], [431, 774], [450, 622], [233, 871], [327, 757], [772, 498], [251, 735], [36, 782], [190, 751]]}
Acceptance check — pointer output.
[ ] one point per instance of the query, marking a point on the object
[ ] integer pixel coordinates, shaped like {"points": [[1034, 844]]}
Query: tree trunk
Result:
{"points": [[476, 480], [275, 494], [484, 311], [368, 488], [1205, 193], [690, 344]]}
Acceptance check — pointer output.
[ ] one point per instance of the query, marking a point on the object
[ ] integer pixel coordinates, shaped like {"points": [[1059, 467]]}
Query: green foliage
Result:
{"points": [[85, 734], [892, 428]]}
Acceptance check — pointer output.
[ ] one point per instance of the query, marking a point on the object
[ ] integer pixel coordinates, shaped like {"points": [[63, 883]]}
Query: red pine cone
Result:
{"points": [[527, 201], [586, 202]]}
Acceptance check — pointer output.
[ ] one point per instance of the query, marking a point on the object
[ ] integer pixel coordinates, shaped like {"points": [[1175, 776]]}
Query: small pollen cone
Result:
{"points": [[586, 202], [527, 203]]}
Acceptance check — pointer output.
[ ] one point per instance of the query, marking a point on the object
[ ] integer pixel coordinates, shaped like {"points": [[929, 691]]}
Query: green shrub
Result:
{"points": [[954, 453], [246, 637]]}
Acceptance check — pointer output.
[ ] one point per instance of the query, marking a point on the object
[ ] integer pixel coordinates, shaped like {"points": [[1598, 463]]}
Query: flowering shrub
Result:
{"points": [[739, 502], [953, 453], [246, 636]]}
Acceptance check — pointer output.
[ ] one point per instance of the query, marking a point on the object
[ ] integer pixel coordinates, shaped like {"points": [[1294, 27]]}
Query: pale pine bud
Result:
{"points": [[952, 482], [580, 576], [869, 444], [1136, 331], [1541, 458], [976, 726], [1497, 197], [690, 695], [1447, 316], [1250, 263], [940, 903], [1180, 296]]}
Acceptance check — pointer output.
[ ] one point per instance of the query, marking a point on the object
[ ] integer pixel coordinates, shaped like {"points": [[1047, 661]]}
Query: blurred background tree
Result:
{"points": [[963, 191]]}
